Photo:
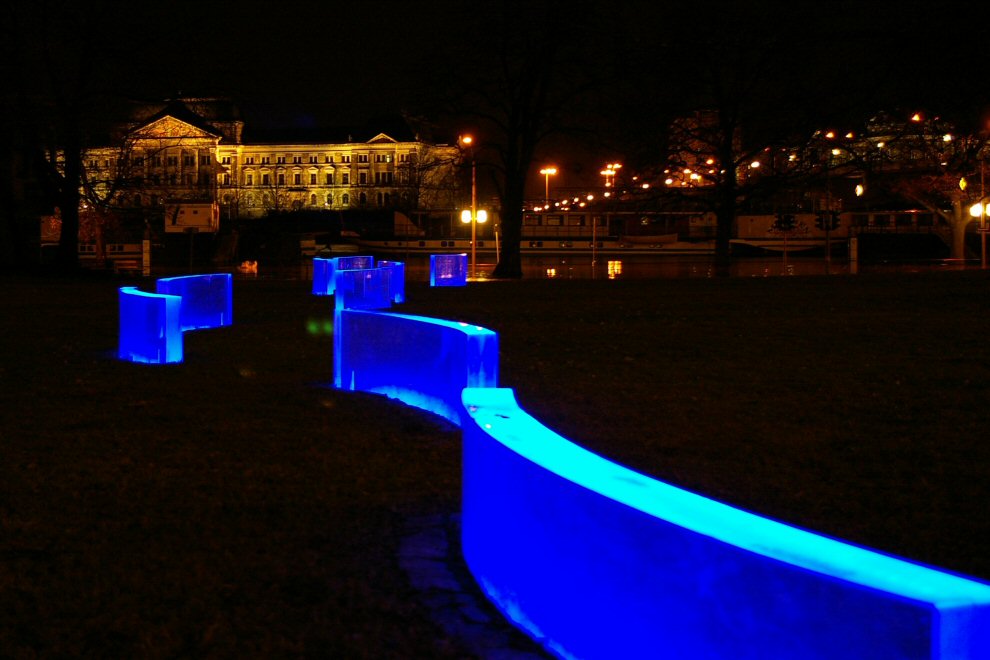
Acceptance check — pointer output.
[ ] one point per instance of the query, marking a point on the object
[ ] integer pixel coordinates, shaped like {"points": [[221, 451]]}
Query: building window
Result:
{"points": [[249, 160], [403, 158], [138, 161], [345, 178], [265, 179], [329, 178], [248, 179], [329, 200], [297, 179], [281, 179], [226, 179], [172, 161], [249, 200], [362, 178], [383, 158], [312, 200], [158, 161], [312, 159], [328, 159], [345, 200], [265, 160], [204, 160], [225, 160], [363, 199], [345, 159], [362, 158], [312, 178], [383, 177], [280, 160], [188, 160], [297, 159]]}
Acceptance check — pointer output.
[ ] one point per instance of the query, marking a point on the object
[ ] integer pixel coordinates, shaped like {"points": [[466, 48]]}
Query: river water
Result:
{"points": [[649, 267]]}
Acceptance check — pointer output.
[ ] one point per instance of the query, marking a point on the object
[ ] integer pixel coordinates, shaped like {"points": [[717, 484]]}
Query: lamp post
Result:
{"points": [[474, 216], [547, 172], [979, 210]]}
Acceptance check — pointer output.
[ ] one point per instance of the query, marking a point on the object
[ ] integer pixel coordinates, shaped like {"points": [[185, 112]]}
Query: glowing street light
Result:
{"points": [[548, 172], [611, 169]]}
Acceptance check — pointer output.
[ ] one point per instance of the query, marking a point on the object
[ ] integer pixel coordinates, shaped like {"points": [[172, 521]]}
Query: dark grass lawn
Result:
{"points": [[236, 506]]}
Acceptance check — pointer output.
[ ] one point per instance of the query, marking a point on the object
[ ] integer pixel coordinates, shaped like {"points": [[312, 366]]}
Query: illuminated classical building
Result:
{"points": [[196, 153]]}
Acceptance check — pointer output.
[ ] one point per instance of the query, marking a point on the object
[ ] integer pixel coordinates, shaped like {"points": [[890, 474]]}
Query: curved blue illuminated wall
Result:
{"points": [[594, 560], [597, 561], [422, 361]]}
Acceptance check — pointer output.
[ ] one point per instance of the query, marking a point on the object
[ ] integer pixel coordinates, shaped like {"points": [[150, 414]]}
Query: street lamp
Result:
{"points": [[980, 210], [474, 216], [548, 172]]}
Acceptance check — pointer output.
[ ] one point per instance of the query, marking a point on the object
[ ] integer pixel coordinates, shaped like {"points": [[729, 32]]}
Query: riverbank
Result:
{"points": [[236, 505]]}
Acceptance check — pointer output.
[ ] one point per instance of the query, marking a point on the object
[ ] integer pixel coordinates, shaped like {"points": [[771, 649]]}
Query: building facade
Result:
{"points": [[189, 153]]}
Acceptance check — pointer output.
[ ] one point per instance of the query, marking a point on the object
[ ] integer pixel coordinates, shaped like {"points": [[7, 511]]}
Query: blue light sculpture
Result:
{"points": [[397, 281], [597, 561], [322, 277], [207, 300], [324, 269], [363, 288], [421, 361], [149, 327], [448, 269]]}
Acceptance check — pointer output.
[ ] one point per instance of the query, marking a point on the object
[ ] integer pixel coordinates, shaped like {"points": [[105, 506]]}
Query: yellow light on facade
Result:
{"points": [[836, 152], [916, 116], [830, 135], [947, 138], [860, 190], [963, 183], [850, 135]]}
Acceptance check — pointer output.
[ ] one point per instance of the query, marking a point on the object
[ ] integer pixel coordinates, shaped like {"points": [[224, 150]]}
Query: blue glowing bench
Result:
{"points": [[597, 561], [324, 269], [150, 329], [421, 361], [207, 300], [448, 269], [363, 288]]}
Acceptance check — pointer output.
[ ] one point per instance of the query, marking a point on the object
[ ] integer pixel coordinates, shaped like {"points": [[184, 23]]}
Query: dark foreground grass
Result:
{"points": [[235, 506]]}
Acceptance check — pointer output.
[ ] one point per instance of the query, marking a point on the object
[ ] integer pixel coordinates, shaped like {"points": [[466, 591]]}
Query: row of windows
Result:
{"points": [[298, 160], [383, 199], [188, 160], [329, 179]]}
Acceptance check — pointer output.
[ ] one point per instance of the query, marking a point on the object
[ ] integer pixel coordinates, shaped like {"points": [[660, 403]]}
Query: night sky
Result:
{"points": [[338, 63]]}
